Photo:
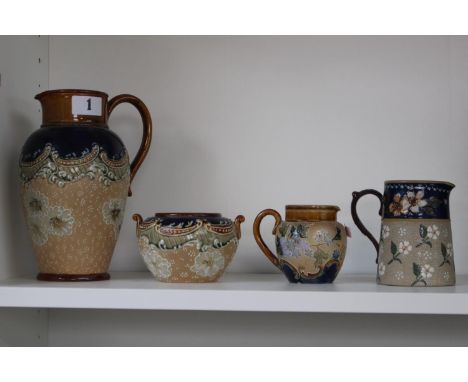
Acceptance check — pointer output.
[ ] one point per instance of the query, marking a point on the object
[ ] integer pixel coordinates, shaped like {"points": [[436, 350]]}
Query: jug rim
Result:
{"points": [[72, 91], [312, 207], [416, 181]]}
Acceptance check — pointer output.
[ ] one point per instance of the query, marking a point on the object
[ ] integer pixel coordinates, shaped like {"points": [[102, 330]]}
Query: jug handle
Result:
{"points": [[258, 236], [147, 129], [356, 196]]}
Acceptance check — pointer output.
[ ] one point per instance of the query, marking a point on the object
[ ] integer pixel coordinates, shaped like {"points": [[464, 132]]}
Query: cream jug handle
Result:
{"points": [[258, 236], [356, 196]]}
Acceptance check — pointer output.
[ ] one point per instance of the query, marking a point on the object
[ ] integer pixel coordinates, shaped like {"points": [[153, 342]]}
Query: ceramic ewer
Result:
{"points": [[415, 246], [75, 175], [310, 243], [187, 247]]}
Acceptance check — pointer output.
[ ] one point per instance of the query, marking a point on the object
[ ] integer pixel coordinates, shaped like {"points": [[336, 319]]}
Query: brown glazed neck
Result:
{"points": [[311, 213], [57, 107]]}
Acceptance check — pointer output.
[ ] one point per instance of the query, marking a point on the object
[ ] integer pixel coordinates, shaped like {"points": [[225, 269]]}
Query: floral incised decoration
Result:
{"points": [[113, 213], [403, 248], [93, 165], [308, 256], [45, 220], [419, 254], [423, 273], [208, 264], [428, 233], [203, 235], [157, 264], [447, 253], [411, 204]]}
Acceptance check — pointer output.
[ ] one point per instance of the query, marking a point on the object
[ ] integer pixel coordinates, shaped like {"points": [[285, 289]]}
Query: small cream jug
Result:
{"points": [[415, 246]]}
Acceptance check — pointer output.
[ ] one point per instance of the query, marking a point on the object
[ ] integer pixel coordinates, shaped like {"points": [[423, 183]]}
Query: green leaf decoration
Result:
{"points": [[443, 248], [320, 257], [416, 269], [283, 230], [338, 234], [422, 231], [393, 248]]}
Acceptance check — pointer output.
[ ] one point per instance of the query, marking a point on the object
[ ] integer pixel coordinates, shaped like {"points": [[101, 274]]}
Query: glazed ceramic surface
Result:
{"points": [[75, 176], [187, 247], [310, 243], [415, 246]]}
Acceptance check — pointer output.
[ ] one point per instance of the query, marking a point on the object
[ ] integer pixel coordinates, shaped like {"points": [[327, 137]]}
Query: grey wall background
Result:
{"points": [[247, 123], [24, 72]]}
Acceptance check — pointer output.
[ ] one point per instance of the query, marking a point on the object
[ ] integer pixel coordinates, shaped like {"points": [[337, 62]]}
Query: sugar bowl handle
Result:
{"points": [[237, 225], [356, 196], [258, 237], [147, 129]]}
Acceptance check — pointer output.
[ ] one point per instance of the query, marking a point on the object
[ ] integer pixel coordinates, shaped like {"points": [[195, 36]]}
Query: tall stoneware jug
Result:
{"points": [[75, 176], [415, 245]]}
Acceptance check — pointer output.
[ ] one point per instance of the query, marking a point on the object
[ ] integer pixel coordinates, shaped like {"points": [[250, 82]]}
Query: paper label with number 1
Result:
{"points": [[86, 105]]}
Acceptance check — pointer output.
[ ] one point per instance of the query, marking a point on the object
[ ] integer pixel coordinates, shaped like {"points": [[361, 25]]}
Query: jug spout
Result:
{"points": [[73, 106]]}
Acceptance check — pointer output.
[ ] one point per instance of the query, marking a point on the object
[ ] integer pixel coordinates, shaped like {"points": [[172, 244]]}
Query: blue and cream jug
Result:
{"points": [[415, 247]]}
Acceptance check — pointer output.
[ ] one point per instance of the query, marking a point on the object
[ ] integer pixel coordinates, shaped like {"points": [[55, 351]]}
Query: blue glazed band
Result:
{"points": [[417, 200], [73, 142]]}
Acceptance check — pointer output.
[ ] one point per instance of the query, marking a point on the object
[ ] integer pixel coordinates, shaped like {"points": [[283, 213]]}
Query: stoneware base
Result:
{"points": [[66, 277], [326, 276]]}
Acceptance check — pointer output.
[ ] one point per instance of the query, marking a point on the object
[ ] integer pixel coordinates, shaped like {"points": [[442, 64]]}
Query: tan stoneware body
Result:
{"points": [[187, 247], [75, 175], [310, 243]]}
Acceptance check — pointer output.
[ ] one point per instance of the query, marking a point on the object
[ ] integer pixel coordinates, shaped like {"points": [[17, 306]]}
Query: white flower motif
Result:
{"points": [[426, 271], [158, 265], [385, 231], [208, 263], [416, 201], [323, 237], [60, 221], [37, 225], [433, 232], [405, 247], [426, 255], [446, 276], [113, 212], [35, 202], [381, 268], [402, 231], [399, 275]]}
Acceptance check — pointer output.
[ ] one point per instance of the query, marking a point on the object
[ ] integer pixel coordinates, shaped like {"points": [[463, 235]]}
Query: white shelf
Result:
{"points": [[237, 292]]}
